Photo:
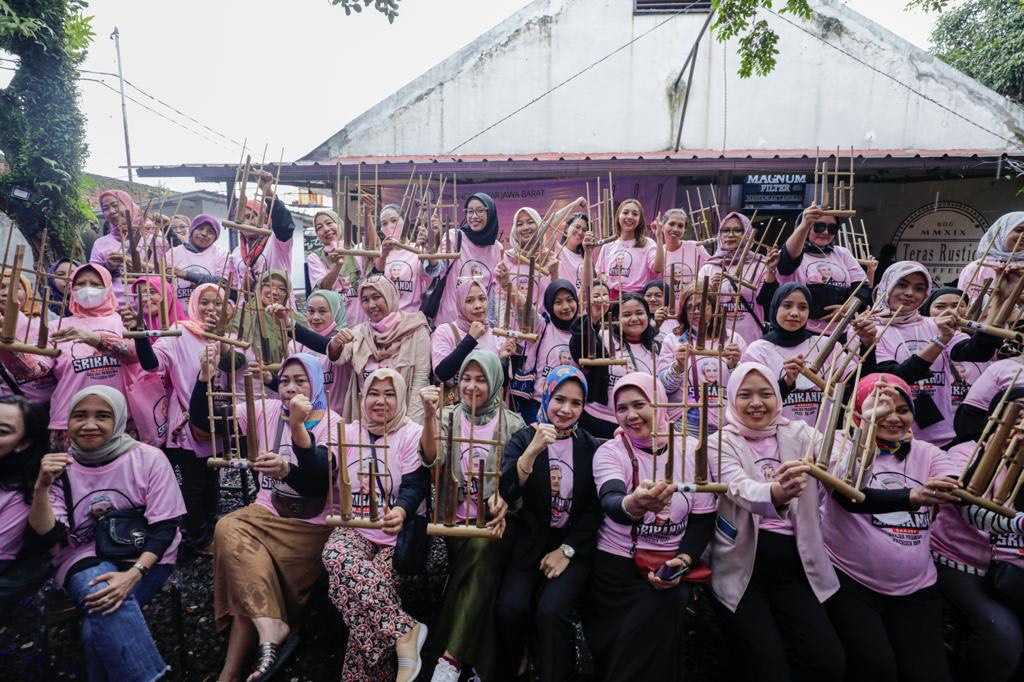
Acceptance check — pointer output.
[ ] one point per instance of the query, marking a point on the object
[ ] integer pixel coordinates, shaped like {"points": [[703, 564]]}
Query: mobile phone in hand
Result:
{"points": [[669, 573]]}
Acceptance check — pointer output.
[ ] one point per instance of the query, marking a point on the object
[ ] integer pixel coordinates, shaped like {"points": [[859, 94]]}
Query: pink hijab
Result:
{"points": [[462, 289], [723, 256], [386, 288], [175, 313], [733, 420], [655, 393], [109, 305], [193, 321], [134, 212]]}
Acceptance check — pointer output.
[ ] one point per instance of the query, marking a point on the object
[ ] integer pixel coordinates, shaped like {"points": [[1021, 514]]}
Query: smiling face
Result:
{"points": [[115, 213], [634, 320], [381, 401], [655, 297], [91, 423], [61, 275], [180, 228], [12, 430], [473, 388], [273, 290], [629, 219], [756, 403], [574, 233], [909, 292], [150, 298], [565, 306], [634, 412], [566, 405], [731, 233], [599, 300], [793, 311], [391, 223], [294, 381], [526, 228], [947, 302], [210, 303], [476, 215], [374, 304], [898, 424], [674, 226], [823, 232], [474, 307], [318, 312], [204, 236], [327, 230], [1015, 238]]}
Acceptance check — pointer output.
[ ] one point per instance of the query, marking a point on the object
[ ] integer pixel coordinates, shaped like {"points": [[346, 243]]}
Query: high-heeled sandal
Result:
{"points": [[271, 656]]}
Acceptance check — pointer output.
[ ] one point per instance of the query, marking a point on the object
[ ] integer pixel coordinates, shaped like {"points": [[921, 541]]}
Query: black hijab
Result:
{"points": [[549, 303], [776, 334], [657, 284], [488, 235], [938, 291]]}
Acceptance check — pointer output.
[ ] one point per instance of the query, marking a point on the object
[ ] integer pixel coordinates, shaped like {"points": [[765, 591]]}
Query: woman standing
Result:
{"points": [[363, 583], [58, 279], [479, 250], [683, 258], [407, 271], [199, 260], [561, 308], [452, 342], [738, 299], [120, 215], [256, 255], [771, 573], [1002, 246], [107, 471], [547, 479], [464, 631], [633, 258], [570, 254], [333, 271], [652, 533]]}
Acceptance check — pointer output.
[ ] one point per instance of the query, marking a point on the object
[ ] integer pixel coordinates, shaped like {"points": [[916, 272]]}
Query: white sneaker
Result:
{"points": [[445, 672]]}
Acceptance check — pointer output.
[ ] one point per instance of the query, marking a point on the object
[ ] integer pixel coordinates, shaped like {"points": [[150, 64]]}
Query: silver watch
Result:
{"points": [[567, 551]]}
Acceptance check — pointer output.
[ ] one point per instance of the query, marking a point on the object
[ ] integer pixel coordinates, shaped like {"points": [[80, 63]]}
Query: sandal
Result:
{"points": [[271, 657], [409, 668]]}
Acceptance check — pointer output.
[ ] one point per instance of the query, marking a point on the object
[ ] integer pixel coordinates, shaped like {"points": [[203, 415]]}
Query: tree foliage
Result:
{"points": [[41, 127], [757, 41], [388, 8]]}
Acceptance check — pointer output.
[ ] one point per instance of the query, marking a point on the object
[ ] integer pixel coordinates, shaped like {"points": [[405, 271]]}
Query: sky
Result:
{"points": [[281, 76]]}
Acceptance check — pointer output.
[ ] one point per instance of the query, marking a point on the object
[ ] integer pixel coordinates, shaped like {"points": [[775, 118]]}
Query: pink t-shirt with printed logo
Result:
{"points": [[405, 270], [687, 260], [965, 375], [888, 553], [549, 352], [702, 369], [838, 269], [476, 263], [767, 460], [747, 326], [638, 359], [13, 523], [470, 455], [141, 477], [180, 358], [627, 267], [147, 394], [995, 379], [561, 472], [570, 267], [400, 458], [37, 386], [659, 532], [211, 262]]}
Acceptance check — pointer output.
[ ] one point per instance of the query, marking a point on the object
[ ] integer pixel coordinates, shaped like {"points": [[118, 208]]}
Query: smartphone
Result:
{"points": [[669, 573]]}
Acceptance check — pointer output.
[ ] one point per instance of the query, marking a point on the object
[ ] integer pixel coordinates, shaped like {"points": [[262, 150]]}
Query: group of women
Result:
{"points": [[674, 363]]}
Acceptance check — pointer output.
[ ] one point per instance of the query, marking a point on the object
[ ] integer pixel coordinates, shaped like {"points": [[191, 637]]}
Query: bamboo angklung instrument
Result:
{"points": [[999, 316], [820, 462], [523, 330], [370, 503], [8, 335], [234, 459]]}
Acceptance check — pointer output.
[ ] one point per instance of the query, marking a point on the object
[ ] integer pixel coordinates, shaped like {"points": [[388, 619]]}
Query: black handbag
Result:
{"points": [[431, 302], [287, 503], [120, 534]]}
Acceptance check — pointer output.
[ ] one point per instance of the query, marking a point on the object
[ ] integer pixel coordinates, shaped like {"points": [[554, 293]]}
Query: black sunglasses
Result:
{"points": [[831, 228]]}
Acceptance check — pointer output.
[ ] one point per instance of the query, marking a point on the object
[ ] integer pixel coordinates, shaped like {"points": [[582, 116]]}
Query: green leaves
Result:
{"points": [[388, 8], [757, 41]]}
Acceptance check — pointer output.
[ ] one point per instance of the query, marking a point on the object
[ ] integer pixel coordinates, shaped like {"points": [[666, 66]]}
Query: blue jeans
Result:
{"points": [[119, 646]]}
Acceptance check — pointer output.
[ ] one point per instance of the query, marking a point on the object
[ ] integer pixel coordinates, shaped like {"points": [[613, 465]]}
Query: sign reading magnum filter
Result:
{"points": [[943, 236], [774, 190]]}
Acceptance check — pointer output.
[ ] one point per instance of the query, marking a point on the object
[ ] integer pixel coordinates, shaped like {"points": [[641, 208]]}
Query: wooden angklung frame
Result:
{"points": [[11, 278]]}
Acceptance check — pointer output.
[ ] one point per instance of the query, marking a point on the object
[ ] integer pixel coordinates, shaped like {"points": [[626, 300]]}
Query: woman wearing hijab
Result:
{"points": [[199, 260], [888, 611], [771, 573], [333, 271], [266, 555], [547, 479], [655, 293], [104, 471], [920, 350], [325, 315], [363, 582], [652, 533], [965, 374], [678, 366], [452, 342], [742, 315], [256, 255], [388, 338], [830, 272], [265, 323], [683, 258], [633, 258], [479, 250], [409, 273], [110, 251], [464, 631], [561, 309], [58, 279], [1001, 246], [514, 267]]}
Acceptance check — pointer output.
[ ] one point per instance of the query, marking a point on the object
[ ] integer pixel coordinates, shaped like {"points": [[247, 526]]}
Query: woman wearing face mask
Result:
{"points": [[830, 272], [548, 481], [742, 315], [678, 365], [388, 338], [106, 470], [452, 342], [1002, 246], [479, 250], [92, 348], [255, 255], [788, 345], [120, 215], [24, 562], [561, 308], [178, 360], [199, 260], [58, 279], [363, 584], [771, 573], [464, 631], [637, 345], [266, 555], [649, 526], [888, 612], [633, 258], [683, 258], [921, 349]]}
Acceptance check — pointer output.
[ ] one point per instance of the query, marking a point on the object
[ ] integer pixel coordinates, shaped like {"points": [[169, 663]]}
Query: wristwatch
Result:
{"points": [[567, 551], [141, 568]]}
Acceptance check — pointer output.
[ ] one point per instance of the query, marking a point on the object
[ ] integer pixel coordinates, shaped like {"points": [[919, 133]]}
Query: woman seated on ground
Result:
{"points": [[359, 561], [105, 471], [771, 573], [464, 631], [888, 611], [23, 440], [265, 555], [547, 479], [651, 534]]}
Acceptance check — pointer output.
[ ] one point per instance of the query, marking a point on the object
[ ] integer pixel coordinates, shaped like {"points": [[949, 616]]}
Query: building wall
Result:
{"points": [[816, 96]]}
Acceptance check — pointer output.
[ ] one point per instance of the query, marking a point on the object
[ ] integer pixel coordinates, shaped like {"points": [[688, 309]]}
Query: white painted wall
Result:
{"points": [[815, 97]]}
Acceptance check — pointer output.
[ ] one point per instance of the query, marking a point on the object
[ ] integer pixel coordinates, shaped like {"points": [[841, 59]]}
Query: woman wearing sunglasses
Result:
{"points": [[830, 272]]}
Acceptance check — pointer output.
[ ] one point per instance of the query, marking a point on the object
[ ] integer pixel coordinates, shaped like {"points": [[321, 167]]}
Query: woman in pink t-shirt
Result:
{"points": [[120, 213], [652, 532], [452, 342], [771, 572], [266, 555], [1002, 245], [363, 583], [888, 612], [330, 270], [199, 260], [105, 471], [476, 241], [683, 258], [561, 308], [570, 252], [410, 274], [634, 258]]}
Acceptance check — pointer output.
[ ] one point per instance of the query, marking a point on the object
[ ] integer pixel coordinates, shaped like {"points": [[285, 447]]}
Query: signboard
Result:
{"points": [[781, 191], [943, 236]]}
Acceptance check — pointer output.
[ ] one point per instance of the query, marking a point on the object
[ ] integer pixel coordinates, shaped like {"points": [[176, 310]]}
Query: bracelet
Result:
{"points": [[939, 342], [141, 568]]}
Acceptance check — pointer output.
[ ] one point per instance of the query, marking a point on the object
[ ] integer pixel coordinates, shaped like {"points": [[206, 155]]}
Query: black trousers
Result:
{"points": [[199, 488], [526, 592], [783, 630], [992, 644], [889, 638], [632, 628]]}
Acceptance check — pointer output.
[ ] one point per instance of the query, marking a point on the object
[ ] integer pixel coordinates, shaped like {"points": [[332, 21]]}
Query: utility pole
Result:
{"points": [[116, 36]]}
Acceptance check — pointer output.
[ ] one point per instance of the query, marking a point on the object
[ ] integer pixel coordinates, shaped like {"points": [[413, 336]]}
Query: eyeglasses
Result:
{"points": [[476, 211], [831, 228]]}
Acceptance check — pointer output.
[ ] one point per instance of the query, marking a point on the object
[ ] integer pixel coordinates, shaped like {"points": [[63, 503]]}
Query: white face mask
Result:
{"points": [[91, 297]]}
